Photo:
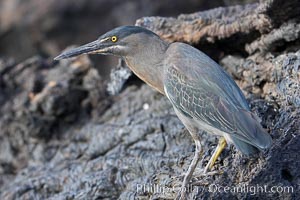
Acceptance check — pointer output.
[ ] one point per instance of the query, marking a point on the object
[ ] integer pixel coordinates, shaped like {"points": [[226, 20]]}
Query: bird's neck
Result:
{"points": [[147, 64]]}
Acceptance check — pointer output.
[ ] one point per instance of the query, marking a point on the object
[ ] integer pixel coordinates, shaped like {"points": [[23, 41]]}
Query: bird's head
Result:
{"points": [[122, 41]]}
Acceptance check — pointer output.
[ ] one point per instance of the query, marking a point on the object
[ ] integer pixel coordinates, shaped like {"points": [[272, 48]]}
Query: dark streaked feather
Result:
{"points": [[200, 88]]}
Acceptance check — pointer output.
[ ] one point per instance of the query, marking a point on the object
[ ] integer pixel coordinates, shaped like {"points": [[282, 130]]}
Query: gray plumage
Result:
{"points": [[195, 85], [202, 93], [207, 95]]}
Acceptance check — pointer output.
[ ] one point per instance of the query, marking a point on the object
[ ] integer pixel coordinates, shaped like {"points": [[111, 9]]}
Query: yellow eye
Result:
{"points": [[114, 38]]}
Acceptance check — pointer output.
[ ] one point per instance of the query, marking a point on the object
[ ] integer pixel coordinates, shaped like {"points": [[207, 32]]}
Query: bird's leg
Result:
{"points": [[190, 170], [221, 145], [193, 130]]}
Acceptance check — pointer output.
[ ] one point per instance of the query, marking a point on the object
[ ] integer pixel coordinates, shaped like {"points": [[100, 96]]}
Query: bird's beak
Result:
{"points": [[96, 47]]}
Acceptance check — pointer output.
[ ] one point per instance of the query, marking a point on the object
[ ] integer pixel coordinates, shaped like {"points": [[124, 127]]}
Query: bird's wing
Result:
{"points": [[200, 88]]}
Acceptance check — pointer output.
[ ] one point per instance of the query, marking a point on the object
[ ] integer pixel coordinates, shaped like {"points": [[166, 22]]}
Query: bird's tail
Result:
{"points": [[244, 147], [252, 136]]}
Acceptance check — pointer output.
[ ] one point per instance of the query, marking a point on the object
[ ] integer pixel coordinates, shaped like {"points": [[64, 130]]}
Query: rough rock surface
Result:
{"points": [[35, 26], [64, 137]]}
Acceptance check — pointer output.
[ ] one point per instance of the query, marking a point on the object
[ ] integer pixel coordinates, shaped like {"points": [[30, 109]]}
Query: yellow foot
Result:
{"points": [[182, 194], [221, 145]]}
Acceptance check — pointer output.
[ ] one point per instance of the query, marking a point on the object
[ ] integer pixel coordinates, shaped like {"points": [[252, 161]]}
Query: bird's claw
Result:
{"points": [[181, 195], [209, 173]]}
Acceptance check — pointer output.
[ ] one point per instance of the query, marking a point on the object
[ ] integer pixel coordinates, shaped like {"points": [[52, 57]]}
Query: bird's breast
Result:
{"points": [[149, 74]]}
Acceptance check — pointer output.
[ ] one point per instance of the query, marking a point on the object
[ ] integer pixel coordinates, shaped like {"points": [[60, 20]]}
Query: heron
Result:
{"points": [[204, 97]]}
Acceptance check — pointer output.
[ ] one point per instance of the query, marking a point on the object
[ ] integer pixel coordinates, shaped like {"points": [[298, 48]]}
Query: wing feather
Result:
{"points": [[200, 88]]}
